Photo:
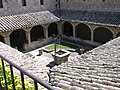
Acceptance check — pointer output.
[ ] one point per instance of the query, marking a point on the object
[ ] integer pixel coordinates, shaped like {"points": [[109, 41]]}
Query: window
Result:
{"points": [[23, 2], [41, 2], [56, 5], [1, 4]]}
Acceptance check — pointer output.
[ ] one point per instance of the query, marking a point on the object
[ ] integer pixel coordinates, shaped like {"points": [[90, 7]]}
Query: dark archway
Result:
{"points": [[17, 39], [83, 31], [1, 39], [102, 35], [52, 29], [37, 33], [68, 29], [118, 34]]}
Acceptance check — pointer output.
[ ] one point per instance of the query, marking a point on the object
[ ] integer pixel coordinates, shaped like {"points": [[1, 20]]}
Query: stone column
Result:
{"points": [[7, 40], [46, 32], [92, 36], [59, 24], [114, 36], [28, 37], [74, 32], [27, 32]]}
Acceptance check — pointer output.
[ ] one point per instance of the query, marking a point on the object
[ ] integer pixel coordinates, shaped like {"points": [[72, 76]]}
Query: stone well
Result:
{"points": [[60, 56]]}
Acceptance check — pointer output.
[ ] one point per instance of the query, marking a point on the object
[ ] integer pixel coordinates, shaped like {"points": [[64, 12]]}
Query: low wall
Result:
{"points": [[79, 41], [37, 44]]}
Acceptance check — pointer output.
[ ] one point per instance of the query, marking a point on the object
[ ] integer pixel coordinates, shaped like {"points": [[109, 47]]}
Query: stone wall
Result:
{"points": [[109, 5], [37, 44], [15, 6]]}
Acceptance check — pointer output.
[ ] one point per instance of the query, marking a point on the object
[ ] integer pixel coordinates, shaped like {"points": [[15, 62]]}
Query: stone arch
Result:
{"points": [[102, 34], [67, 29], [1, 39], [83, 31], [37, 33], [52, 29], [17, 39]]}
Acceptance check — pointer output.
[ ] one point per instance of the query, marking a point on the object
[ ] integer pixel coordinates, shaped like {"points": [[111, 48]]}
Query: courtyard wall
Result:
{"points": [[11, 7], [99, 5]]}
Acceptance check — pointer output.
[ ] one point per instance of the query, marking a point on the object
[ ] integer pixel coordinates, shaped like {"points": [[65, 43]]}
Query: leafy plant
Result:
{"points": [[17, 80]]}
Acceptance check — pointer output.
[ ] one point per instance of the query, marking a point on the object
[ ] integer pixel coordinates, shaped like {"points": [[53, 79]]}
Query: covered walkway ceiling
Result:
{"points": [[8, 23]]}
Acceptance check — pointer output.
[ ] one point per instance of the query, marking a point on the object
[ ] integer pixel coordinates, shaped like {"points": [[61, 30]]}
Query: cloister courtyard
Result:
{"points": [[33, 33]]}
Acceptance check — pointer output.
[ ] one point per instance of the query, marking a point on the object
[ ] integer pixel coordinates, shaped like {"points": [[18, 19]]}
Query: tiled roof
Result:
{"points": [[26, 20], [104, 17], [98, 69]]}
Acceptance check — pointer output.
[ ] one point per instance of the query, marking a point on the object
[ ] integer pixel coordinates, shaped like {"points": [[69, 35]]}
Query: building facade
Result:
{"points": [[28, 24]]}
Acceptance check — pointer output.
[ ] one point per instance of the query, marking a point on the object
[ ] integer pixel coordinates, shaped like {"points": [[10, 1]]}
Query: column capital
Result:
{"points": [[27, 32], [6, 34], [45, 25], [28, 29], [74, 24]]}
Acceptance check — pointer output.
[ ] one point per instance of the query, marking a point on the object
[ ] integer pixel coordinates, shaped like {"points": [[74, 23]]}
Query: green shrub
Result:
{"points": [[17, 80]]}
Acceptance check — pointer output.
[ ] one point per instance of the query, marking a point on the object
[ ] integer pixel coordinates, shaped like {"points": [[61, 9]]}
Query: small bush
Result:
{"points": [[17, 80]]}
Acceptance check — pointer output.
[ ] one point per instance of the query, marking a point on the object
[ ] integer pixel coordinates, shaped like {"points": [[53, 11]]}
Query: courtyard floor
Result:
{"points": [[45, 61]]}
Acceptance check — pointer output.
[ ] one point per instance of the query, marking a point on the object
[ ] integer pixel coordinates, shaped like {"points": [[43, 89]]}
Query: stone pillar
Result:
{"points": [[92, 36], [59, 24], [74, 32], [74, 24], [46, 32], [28, 37], [27, 32], [114, 35], [7, 40]]}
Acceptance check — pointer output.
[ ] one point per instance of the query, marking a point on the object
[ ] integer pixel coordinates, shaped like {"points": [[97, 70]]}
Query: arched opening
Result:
{"points": [[118, 34], [37, 33], [68, 29], [17, 39], [52, 29], [83, 31], [102, 35], [1, 39]]}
